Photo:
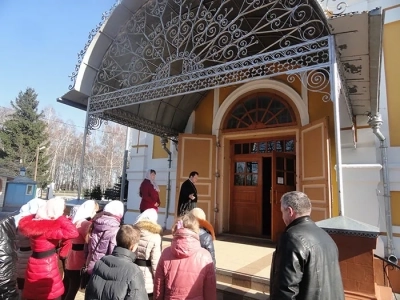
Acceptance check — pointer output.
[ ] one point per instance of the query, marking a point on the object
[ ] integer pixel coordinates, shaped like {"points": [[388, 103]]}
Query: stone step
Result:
{"points": [[242, 280], [234, 292]]}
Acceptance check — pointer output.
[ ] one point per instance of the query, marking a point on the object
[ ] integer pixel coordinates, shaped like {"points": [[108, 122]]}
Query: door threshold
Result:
{"points": [[245, 239]]}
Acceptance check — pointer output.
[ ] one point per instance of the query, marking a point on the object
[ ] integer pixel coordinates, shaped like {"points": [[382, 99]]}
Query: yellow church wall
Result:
{"points": [[204, 115], [391, 46], [318, 109], [224, 92], [158, 151]]}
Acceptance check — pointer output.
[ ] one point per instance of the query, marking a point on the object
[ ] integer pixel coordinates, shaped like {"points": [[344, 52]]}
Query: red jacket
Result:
{"points": [[149, 196], [43, 280], [185, 270]]}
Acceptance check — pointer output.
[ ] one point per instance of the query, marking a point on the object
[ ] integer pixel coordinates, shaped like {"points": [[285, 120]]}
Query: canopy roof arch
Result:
{"points": [[151, 62]]}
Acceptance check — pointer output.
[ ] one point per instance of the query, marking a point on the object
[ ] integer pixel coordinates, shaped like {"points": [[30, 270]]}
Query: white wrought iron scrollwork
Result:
{"points": [[95, 121], [166, 39], [92, 34], [294, 59], [333, 7], [316, 80]]}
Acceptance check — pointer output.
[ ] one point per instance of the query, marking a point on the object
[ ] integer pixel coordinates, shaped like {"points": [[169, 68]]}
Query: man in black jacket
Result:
{"points": [[305, 265], [188, 194], [116, 276]]}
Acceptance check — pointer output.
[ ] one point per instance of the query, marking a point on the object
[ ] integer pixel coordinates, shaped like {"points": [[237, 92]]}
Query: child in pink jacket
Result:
{"points": [[185, 270]]}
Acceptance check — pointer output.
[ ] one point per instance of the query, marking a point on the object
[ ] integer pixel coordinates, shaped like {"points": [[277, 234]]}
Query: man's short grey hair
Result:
{"points": [[298, 201]]}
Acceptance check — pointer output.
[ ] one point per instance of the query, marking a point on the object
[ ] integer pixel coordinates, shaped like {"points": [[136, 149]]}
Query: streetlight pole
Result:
{"points": [[37, 159]]}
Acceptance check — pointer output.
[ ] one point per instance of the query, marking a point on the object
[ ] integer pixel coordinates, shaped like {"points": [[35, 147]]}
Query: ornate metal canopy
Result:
{"points": [[167, 54]]}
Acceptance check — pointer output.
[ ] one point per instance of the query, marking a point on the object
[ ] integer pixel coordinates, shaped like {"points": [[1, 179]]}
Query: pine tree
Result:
{"points": [[21, 135]]}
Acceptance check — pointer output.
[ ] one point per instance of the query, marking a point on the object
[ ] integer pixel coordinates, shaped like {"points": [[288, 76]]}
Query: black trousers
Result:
{"points": [[72, 281]]}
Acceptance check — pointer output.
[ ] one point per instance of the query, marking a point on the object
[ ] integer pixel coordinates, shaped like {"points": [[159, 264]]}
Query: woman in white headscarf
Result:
{"points": [[149, 192], [149, 250], [76, 258], [24, 250], [47, 230]]}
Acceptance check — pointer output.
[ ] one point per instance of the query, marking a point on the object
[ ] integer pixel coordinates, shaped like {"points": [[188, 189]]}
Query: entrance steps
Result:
{"points": [[234, 286], [243, 266]]}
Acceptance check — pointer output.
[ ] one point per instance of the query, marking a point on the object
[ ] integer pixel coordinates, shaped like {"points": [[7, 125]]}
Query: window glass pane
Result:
{"points": [[239, 180], [247, 120], [238, 149], [290, 180], [280, 161], [262, 148], [280, 177], [254, 147], [279, 146], [240, 167], [289, 146], [263, 101], [232, 123], [29, 189], [253, 116], [284, 117], [276, 106], [251, 179], [270, 146], [239, 111], [290, 164], [246, 148], [251, 104], [243, 125], [252, 167], [266, 118]]}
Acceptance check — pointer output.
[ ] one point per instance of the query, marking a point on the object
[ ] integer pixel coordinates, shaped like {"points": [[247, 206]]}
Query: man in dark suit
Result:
{"points": [[188, 194]]}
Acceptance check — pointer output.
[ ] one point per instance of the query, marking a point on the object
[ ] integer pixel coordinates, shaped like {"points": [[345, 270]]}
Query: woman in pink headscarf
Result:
{"points": [[46, 230], [149, 192]]}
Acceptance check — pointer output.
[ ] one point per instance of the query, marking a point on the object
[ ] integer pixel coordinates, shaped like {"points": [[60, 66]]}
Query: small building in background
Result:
{"points": [[19, 190]]}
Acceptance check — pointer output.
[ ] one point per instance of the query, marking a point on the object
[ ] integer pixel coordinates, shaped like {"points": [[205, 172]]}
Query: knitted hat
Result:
{"points": [[198, 213]]}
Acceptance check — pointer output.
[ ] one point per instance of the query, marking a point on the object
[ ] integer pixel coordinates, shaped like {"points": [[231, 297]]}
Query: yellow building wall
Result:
{"points": [[224, 92], [318, 109], [395, 203], [163, 195], [391, 46], [204, 115], [158, 151]]}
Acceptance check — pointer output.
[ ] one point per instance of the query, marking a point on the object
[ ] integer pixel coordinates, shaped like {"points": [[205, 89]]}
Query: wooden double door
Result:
{"points": [[258, 183]]}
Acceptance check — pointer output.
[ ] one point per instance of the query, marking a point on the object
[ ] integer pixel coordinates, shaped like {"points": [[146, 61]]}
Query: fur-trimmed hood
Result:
{"points": [[149, 226], [31, 228], [207, 226]]}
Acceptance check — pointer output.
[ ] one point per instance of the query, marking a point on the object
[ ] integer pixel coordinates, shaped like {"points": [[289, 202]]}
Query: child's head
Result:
{"points": [[188, 221], [128, 237]]}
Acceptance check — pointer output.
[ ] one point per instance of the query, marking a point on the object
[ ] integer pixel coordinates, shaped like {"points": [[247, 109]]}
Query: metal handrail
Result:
{"points": [[387, 261], [386, 275]]}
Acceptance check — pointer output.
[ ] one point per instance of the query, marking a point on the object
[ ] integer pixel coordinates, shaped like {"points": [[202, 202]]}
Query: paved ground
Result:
{"points": [[236, 254]]}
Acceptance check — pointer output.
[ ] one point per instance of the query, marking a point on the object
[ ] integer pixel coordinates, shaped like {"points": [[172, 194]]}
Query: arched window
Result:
{"points": [[261, 110]]}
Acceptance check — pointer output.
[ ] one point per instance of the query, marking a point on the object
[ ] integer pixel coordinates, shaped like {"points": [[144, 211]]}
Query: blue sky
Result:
{"points": [[40, 40]]}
